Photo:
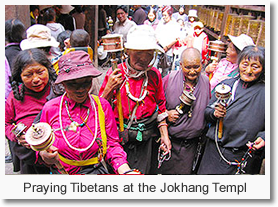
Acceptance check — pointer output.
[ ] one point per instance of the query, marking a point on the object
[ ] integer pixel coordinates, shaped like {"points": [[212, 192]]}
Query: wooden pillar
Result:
{"points": [[21, 12], [224, 20], [91, 26]]}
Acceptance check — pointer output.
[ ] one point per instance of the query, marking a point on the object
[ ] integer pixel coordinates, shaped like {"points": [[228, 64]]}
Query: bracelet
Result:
{"points": [[131, 170], [162, 124]]}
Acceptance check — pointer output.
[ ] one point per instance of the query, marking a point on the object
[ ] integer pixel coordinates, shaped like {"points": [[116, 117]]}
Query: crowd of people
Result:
{"points": [[156, 112]]}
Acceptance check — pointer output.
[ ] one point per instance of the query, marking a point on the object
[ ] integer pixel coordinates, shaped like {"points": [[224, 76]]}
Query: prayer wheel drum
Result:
{"points": [[187, 99], [222, 91], [217, 46], [40, 136], [112, 42], [18, 129]]}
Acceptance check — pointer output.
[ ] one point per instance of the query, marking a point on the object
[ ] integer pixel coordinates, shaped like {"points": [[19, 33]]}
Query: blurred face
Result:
{"points": [[36, 13], [77, 89], [231, 53], [140, 59], [35, 77], [121, 15], [181, 10], [191, 19], [166, 17], [250, 70], [191, 68], [151, 16]]}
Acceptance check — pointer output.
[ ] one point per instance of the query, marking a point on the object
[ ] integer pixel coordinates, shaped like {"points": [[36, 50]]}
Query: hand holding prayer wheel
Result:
{"points": [[41, 137]]}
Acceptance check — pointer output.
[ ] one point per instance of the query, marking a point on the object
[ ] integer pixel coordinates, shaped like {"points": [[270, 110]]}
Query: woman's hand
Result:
{"points": [[124, 169], [114, 82], [258, 143], [219, 111], [211, 67], [165, 144], [115, 79], [21, 140], [50, 156], [173, 115]]}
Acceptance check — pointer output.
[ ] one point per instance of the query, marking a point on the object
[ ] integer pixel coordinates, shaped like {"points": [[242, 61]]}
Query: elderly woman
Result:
{"points": [[142, 97], [84, 126], [35, 72], [185, 128], [228, 67], [240, 124]]}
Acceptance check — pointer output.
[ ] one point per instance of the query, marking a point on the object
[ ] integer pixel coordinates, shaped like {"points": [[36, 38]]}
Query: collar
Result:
{"points": [[72, 104]]}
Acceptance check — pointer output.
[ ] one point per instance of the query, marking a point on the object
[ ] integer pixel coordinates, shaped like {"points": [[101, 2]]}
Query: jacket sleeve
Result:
{"points": [[9, 119]]}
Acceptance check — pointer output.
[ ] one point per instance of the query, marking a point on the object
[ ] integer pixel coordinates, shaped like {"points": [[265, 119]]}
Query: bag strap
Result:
{"points": [[101, 118]]}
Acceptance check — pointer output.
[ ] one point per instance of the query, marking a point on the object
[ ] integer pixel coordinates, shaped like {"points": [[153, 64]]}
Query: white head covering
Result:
{"points": [[241, 41], [142, 37], [38, 35]]}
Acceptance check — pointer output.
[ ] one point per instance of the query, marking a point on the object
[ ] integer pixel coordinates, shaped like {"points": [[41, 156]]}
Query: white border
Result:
{"points": [[258, 186]]}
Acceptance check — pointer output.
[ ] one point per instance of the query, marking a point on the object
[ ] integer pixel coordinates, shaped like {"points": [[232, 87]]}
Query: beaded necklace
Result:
{"points": [[142, 95], [62, 131], [74, 124]]}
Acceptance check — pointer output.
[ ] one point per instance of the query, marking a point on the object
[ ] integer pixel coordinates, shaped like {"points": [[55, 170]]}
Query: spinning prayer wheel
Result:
{"points": [[187, 99], [222, 93], [217, 46], [18, 129], [40, 136], [112, 42]]}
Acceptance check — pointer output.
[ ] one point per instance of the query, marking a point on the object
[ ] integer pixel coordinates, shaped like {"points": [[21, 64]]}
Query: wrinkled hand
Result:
{"points": [[258, 143], [115, 79], [219, 111], [173, 116], [50, 156], [21, 141], [165, 144]]}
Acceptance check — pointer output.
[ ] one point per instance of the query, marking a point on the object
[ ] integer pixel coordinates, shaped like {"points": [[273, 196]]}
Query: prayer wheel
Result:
{"points": [[254, 30], [244, 22], [219, 20], [187, 99], [222, 93], [217, 46], [112, 42], [40, 136], [18, 129], [229, 24], [234, 29], [261, 35], [213, 18]]}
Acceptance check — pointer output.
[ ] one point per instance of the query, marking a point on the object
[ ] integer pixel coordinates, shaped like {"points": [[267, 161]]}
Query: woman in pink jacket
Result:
{"points": [[85, 129]]}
